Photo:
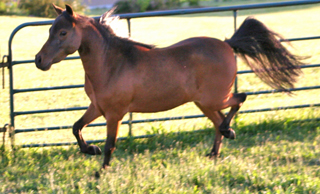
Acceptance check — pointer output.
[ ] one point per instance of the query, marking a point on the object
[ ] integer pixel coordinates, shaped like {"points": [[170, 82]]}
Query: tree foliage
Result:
{"points": [[42, 8], [8, 7], [131, 6]]}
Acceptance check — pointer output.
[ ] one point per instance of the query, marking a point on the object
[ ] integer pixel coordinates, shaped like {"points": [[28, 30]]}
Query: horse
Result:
{"points": [[123, 75]]}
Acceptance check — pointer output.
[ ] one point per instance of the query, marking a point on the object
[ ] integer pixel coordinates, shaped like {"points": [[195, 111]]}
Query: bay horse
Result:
{"points": [[122, 75]]}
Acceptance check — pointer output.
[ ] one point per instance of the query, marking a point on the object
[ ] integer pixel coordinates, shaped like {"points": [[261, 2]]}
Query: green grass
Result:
{"points": [[273, 152], [282, 159]]}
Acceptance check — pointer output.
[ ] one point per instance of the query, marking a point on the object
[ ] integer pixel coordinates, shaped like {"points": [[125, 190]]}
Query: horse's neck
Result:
{"points": [[100, 60], [92, 50]]}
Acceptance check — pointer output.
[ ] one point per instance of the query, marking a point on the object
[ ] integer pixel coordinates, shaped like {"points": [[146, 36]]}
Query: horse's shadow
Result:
{"points": [[248, 136]]}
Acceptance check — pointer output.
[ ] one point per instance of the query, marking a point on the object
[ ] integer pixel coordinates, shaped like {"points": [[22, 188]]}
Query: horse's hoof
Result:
{"points": [[94, 150], [230, 134], [212, 155], [97, 174], [101, 171]]}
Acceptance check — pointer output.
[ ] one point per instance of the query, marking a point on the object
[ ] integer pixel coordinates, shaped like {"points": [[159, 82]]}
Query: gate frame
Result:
{"points": [[10, 63]]}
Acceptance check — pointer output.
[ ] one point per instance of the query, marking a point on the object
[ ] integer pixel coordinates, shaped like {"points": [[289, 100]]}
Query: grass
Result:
{"points": [[283, 159], [273, 152]]}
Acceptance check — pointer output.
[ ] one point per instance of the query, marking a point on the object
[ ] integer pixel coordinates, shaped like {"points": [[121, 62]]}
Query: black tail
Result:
{"points": [[265, 55]]}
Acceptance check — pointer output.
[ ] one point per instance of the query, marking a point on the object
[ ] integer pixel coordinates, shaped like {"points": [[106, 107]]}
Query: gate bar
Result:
{"points": [[121, 138], [167, 118], [17, 113], [82, 85], [48, 88], [217, 9]]}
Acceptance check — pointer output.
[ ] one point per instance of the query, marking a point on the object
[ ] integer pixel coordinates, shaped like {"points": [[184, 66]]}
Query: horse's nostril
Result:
{"points": [[38, 59]]}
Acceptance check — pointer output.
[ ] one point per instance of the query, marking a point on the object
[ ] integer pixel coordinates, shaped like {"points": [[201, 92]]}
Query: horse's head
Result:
{"points": [[64, 39]]}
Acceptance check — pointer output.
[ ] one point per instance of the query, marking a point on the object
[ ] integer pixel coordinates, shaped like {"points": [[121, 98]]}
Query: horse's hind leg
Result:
{"points": [[235, 102], [91, 114], [217, 118]]}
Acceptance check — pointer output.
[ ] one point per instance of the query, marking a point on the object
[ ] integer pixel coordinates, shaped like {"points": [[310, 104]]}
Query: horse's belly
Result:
{"points": [[153, 107], [154, 103]]}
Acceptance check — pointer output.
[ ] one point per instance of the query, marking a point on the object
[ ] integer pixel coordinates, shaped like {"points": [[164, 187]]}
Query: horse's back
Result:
{"points": [[209, 53], [186, 71], [214, 68]]}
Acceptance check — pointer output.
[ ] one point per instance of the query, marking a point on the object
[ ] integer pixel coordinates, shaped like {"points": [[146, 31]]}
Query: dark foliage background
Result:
{"points": [[40, 8], [131, 6]]}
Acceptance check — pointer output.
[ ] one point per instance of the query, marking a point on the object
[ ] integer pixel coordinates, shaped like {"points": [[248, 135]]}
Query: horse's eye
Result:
{"points": [[63, 33]]}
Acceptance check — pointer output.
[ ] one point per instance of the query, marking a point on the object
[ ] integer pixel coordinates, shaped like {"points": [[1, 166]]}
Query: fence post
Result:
{"points": [[130, 114], [10, 67], [129, 26], [235, 29], [235, 13], [11, 136]]}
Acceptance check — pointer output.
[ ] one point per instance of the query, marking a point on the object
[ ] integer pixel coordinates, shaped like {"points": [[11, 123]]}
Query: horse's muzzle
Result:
{"points": [[40, 65]]}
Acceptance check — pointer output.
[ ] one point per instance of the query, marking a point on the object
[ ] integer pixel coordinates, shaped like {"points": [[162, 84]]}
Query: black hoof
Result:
{"points": [[97, 174], [94, 150], [212, 155], [230, 134], [101, 171]]}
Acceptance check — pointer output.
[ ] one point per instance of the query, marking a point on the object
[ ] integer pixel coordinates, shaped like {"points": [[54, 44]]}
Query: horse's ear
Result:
{"points": [[69, 9], [59, 10]]}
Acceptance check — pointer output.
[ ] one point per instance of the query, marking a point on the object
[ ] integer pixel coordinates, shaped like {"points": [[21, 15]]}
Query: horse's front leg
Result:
{"points": [[110, 146], [91, 114]]}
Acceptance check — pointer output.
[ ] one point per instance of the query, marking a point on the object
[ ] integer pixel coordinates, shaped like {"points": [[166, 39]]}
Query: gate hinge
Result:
{"points": [[4, 64], [4, 129]]}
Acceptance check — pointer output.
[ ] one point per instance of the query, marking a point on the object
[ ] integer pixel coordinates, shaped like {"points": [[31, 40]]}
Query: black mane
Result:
{"points": [[124, 45], [108, 33]]}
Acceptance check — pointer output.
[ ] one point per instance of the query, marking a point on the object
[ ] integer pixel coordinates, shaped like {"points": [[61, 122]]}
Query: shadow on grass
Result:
{"points": [[39, 164], [247, 136], [273, 130]]}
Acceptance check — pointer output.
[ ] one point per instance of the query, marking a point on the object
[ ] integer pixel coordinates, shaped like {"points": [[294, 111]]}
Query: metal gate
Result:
{"points": [[8, 61]]}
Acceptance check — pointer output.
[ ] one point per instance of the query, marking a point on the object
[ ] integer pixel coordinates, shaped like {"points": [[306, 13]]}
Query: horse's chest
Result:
{"points": [[112, 96], [90, 92]]}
